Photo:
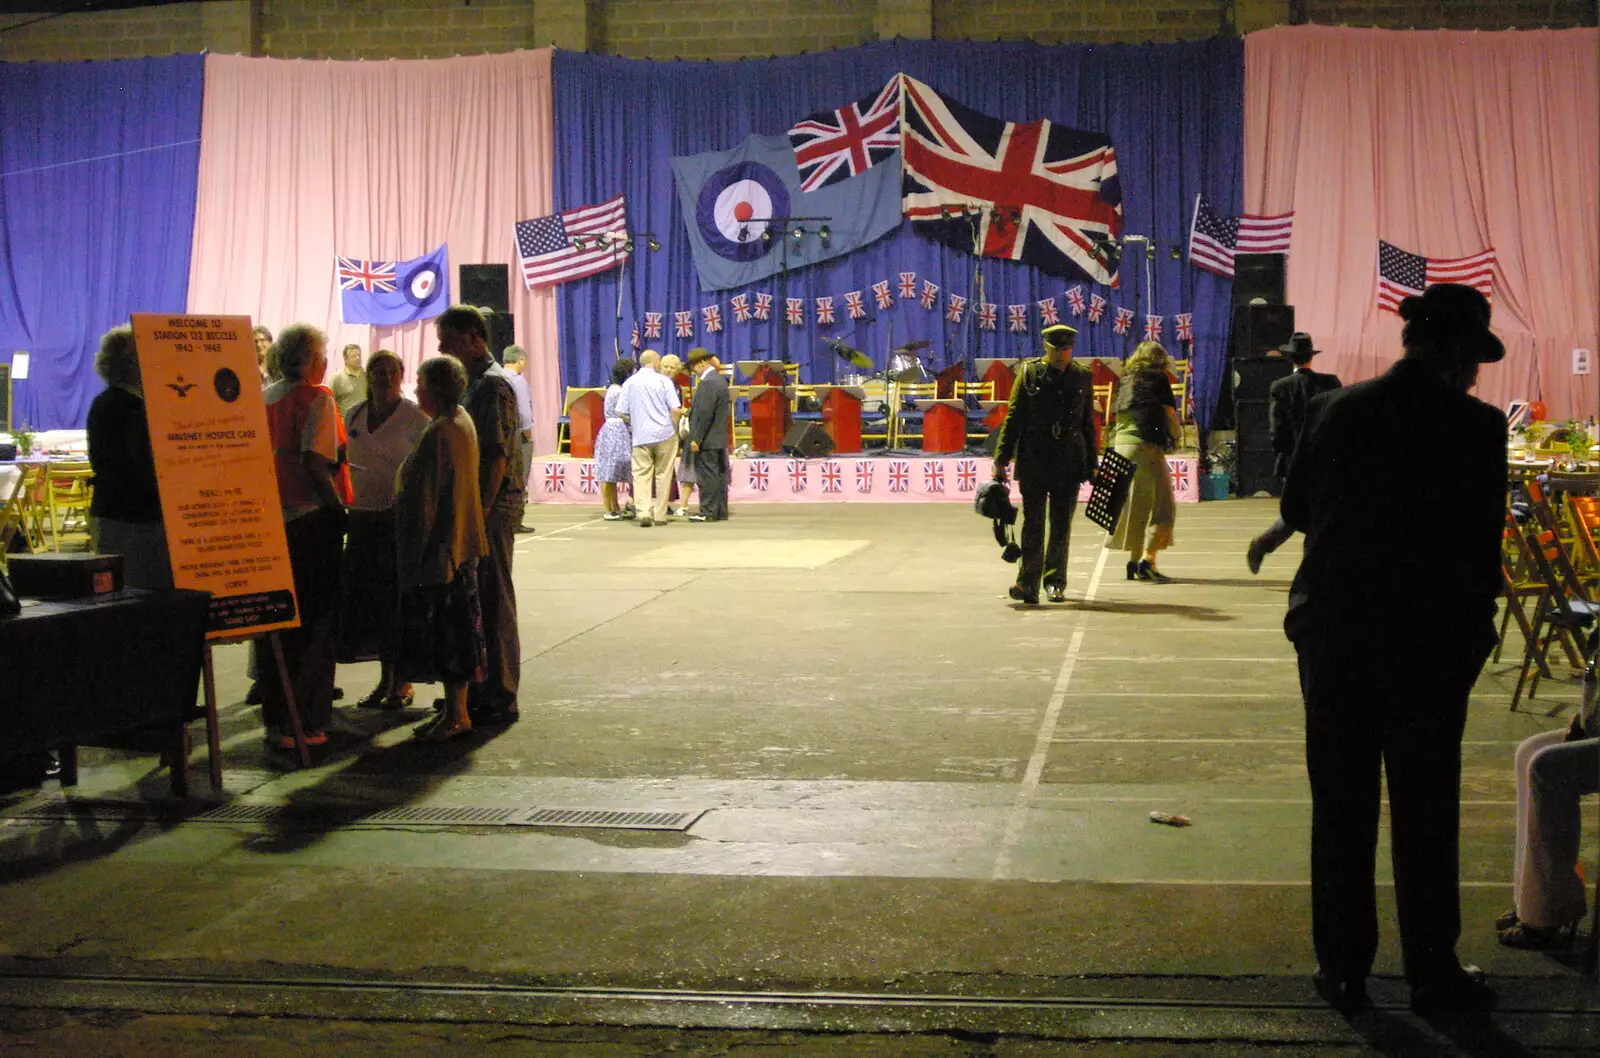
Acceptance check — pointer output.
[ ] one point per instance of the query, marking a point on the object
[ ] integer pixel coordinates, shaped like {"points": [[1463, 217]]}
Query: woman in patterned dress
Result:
{"points": [[613, 446]]}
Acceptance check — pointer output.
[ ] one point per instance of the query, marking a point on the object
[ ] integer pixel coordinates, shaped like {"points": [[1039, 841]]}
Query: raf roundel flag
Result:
{"points": [[391, 293]]}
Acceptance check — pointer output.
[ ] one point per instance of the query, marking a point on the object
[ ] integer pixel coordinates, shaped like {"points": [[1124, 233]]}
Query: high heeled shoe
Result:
{"points": [[1133, 571], [1528, 937], [1147, 571]]}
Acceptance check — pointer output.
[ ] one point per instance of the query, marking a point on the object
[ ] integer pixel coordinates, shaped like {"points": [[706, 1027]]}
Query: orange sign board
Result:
{"points": [[219, 488]]}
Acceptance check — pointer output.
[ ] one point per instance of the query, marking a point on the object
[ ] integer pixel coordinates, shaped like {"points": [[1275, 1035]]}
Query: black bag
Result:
{"points": [[1109, 489]]}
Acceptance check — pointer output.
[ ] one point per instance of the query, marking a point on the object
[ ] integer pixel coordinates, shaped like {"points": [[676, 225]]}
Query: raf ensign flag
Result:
{"points": [[391, 292]]}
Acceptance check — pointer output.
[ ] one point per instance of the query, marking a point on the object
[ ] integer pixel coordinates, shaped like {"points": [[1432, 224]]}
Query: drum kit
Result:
{"points": [[904, 363]]}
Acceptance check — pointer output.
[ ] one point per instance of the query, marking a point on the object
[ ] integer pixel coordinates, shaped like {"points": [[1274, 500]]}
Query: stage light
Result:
{"points": [[798, 234], [580, 241], [627, 247], [766, 235], [1175, 254], [654, 246], [944, 212], [824, 234]]}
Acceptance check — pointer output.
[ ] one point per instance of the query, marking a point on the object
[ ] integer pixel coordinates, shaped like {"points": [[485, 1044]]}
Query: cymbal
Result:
{"points": [[911, 347]]}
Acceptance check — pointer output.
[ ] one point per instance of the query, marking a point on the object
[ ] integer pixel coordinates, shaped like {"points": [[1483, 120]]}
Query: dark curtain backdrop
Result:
{"points": [[97, 195], [1173, 111]]}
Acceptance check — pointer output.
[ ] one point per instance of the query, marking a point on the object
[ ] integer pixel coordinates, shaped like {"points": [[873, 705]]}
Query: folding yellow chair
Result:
{"points": [[68, 489]]}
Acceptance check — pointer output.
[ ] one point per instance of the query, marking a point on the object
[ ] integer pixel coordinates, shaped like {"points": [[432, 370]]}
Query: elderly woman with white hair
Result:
{"points": [[125, 513]]}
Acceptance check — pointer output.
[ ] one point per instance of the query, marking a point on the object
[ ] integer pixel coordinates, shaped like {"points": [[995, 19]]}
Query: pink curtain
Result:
{"points": [[1444, 144], [301, 161]]}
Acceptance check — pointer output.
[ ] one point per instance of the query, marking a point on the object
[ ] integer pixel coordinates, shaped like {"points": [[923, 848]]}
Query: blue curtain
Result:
{"points": [[98, 166], [1174, 113]]}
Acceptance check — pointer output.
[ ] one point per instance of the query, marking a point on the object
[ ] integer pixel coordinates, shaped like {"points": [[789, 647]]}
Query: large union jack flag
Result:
{"points": [[834, 145], [1050, 195], [366, 275]]}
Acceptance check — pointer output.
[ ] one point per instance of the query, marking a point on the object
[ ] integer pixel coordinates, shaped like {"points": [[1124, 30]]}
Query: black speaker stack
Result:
{"points": [[488, 286], [807, 440], [1261, 323]]}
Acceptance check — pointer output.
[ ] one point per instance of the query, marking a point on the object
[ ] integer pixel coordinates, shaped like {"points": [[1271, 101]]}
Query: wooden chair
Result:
{"points": [[69, 490], [1178, 374], [1521, 583], [14, 511], [976, 413], [906, 423], [1563, 607], [1105, 402]]}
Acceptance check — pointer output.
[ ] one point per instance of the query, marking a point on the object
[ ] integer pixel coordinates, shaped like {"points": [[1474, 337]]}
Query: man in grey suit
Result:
{"points": [[709, 410]]}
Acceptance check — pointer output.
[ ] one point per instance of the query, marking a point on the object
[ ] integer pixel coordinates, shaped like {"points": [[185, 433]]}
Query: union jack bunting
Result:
{"points": [[588, 482], [1049, 195], [930, 293], [711, 315], [652, 325], [933, 474], [1097, 308], [763, 309], [1017, 317], [864, 474], [366, 275], [853, 305], [1075, 300], [758, 474], [908, 285], [794, 311], [1152, 328], [797, 475], [683, 324], [880, 290], [832, 476], [633, 339], [741, 308], [957, 306], [555, 477], [825, 313], [1047, 311], [834, 145], [966, 475], [988, 315], [1184, 321], [1124, 321], [899, 475]]}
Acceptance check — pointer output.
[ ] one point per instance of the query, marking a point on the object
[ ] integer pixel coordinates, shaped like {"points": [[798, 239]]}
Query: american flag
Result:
{"points": [[966, 475], [1185, 324], [1214, 239], [933, 474], [683, 324], [832, 476], [1047, 311], [958, 305], [1097, 308], [880, 290], [1124, 321], [930, 293], [1152, 328], [834, 145], [652, 325], [545, 244], [711, 316], [1402, 274], [797, 475], [908, 285], [988, 315], [366, 275], [741, 307], [853, 305], [588, 482], [758, 475], [1017, 317], [899, 475], [555, 477], [763, 310], [864, 473], [794, 311], [1075, 300], [825, 313]]}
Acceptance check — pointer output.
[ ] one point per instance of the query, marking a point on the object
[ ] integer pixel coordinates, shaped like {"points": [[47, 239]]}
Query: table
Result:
{"points": [[98, 671]]}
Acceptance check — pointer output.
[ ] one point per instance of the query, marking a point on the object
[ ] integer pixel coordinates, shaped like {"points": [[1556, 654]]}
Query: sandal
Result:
{"points": [[374, 700], [445, 730], [1528, 937], [396, 702]]}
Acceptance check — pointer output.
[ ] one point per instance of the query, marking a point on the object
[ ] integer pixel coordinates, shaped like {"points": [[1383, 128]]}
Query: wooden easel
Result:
{"points": [[213, 725]]}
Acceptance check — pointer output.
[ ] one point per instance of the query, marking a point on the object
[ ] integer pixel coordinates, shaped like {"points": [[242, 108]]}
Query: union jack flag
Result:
{"points": [[711, 315], [834, 145], [633, 339], [899, 475], [763, 310], [832, 476], [930, 293], [797, 475], [758, 475], [683, 324], [366, 275], [853, 305], [1049, 195], [958, 305], [741, 308], [652, 325], [794, 311], [1017, 317], [555, 477], [1047, 311], [1152, 328], [933, 474], [880, 290], [864, 468], [1124, 321], [966, 475], [1185, 324], [1097, 308], [908, 285], [825, 312], [988, 315], [1075, 300], [588, 482]]}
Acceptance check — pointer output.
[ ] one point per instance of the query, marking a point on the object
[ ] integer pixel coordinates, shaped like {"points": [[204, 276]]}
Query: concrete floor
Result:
{"points": [[912, 785]]}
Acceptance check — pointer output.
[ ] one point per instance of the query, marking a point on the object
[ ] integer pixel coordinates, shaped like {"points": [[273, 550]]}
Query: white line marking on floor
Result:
{"points": [[1147, 659], [1226, 741]]}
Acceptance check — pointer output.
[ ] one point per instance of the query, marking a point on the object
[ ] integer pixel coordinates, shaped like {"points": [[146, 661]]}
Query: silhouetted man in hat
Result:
{"points": [[1288, 398]]}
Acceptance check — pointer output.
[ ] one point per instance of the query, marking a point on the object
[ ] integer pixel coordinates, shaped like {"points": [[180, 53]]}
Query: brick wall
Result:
{"points": [[220, 25], [394, 29], [1453, 14], [730, 29], [1060, 21]]}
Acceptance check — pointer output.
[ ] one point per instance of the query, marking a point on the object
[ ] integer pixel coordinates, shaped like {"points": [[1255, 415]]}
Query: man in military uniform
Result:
{"points": [[1050, 430]]}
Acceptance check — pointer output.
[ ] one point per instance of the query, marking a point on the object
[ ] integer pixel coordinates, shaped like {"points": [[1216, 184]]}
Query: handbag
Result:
{"points": [[1109, 489]]}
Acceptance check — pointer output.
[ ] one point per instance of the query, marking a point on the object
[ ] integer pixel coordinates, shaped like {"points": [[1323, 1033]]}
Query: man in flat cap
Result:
{"points": [[1288, 399], [709, 410], [1050, 430]]}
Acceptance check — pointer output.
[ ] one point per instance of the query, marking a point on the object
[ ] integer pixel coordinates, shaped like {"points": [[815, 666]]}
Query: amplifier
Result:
{"points": [[65, 576]]}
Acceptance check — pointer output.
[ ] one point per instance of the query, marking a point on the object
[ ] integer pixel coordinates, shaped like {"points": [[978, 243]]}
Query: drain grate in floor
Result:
{"points": [[612, 819]]}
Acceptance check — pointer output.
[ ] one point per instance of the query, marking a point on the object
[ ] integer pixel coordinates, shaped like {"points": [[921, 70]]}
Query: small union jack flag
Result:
{"points": [[1047, 311], [366, 275], [832, 476], [1124, 321], [908, 285], [712, 315], [825, 312], [794, 311], [763, 310], [652, 325], [633, 339], [899, 475], [853, 305], [1097, 308], [933, 474], [880, 290], [864, 468], [1075, 300], [988, 315], [555, 477], [1152, 328], [930, 293], [1017, 317], [683, 324], [797, 475], [588, 481], [966, 475], [1185, 325], [958, 305], [741, 308], [758, 475]]}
